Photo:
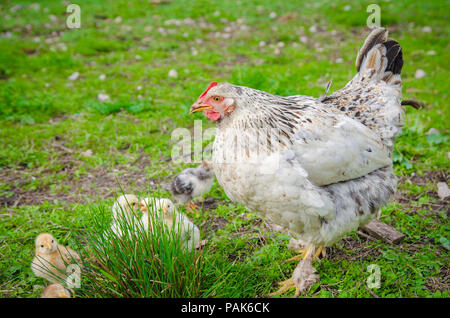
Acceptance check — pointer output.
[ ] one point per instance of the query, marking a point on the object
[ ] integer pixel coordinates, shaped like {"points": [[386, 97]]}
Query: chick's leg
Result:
{"points": [[192, 207]]}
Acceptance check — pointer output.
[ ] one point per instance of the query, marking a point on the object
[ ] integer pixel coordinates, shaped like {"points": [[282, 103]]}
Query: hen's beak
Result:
{"points": [[199, 106], [142, 207]]}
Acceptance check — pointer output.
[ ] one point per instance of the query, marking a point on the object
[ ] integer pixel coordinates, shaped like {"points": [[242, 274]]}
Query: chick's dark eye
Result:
{"points": [[53, 241], [42, 245]]}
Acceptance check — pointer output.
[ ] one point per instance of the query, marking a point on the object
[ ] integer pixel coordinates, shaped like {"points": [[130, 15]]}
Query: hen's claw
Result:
{"points": [[285, 286], [301, 253]]}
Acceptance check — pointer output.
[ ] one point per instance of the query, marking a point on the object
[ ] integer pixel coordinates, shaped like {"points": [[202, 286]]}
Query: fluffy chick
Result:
{"points": [[55, 291], [192, 183], [173, 219], [123, 210], [51, 259]]}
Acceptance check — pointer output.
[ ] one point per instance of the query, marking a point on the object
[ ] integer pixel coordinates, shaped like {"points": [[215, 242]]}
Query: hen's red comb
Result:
{"points": [[211, 85]]}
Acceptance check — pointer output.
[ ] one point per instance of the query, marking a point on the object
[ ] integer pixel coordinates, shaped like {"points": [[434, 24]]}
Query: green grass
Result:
{"points": [[139, 263], [49, 184]]}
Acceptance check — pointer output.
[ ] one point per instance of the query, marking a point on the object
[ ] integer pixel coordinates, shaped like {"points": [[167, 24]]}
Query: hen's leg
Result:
{"points": [[299, 246], [303, 276]]}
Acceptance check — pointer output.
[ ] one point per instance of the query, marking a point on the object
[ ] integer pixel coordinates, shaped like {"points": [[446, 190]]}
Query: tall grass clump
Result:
{"points": [[129, 261]]}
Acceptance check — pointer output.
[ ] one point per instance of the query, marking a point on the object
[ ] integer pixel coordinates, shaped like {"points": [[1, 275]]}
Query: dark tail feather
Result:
{"points": [[414, 103], [394, 56]]}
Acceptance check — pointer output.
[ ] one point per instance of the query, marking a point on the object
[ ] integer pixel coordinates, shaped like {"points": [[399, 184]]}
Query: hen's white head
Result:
{"points": [[218, 100]]}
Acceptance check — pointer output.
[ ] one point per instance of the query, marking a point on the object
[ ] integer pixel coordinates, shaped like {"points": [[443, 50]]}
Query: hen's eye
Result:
{"points": [[216, 98]]}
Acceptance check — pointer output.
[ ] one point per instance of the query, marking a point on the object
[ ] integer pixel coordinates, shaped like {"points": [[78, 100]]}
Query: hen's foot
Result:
{"points": [[304, 276]]}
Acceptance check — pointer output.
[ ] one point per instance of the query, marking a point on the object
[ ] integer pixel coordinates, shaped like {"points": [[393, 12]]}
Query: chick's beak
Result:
{"points": [[164, 209], [63, 295], [142, 207], [199, 106]]}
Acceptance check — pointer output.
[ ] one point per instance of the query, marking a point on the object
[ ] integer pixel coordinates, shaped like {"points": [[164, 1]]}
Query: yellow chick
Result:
{"points": [[55, 291], [52, 259], [182, 224], [123, 209]]}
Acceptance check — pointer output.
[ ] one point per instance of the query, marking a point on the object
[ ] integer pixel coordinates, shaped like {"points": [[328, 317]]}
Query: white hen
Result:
{"points": [[318, 168]]}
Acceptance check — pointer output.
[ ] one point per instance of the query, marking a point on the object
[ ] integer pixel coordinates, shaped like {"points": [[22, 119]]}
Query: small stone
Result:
{"points": [[303, 39], [16, 8], [426, 29], [272, 15], [35, 6], [139, 88], [74, 76], [280, 44], [216, 13], [443, 190], [313, 29], [87, 153], [420, 73], [118, 19], [432, 131], [173, 73], [262, 43], [102, 97], [431, 52], [102, 77], [339, 60], [347, 8]]}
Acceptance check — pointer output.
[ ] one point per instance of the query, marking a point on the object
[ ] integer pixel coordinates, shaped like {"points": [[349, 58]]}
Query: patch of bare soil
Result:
{"points": [[433, 177], [100, 182], [360, 250]]}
